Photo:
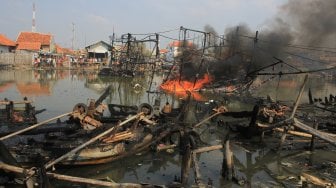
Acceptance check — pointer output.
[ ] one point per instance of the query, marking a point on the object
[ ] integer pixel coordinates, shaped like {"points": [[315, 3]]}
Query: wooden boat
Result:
{"points": [[131, 138], [110, 148]]}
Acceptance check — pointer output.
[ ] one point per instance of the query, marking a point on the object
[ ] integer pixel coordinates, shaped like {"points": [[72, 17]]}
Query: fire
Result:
{"points": [[184, 85], [179, 88]]}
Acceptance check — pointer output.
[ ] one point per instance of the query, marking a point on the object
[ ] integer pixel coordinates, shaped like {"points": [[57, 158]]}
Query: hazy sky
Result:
{"points": [[95, 19]]}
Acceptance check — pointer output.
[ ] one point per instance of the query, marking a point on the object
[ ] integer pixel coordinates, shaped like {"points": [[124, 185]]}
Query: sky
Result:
{"points": [[96, 20]]}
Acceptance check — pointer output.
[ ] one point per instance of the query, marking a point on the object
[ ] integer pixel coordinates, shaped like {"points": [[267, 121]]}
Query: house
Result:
{"points": [[6, 45], [163, 54], [32, 41], [99, 52], [176, 46]]}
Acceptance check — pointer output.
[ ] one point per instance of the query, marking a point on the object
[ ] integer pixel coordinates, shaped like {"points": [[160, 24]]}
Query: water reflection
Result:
{"points": [[286, 88]]}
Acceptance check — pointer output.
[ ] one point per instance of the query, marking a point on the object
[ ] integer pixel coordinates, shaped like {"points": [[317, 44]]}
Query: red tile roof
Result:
{"points": [[163, 51], [29, 46], [61, 50], [4, 41], [44, 39], [177, 43]]}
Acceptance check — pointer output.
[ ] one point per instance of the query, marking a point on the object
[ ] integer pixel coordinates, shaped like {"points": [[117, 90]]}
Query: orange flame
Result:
{"points": [[184, 85], [180, 87]]}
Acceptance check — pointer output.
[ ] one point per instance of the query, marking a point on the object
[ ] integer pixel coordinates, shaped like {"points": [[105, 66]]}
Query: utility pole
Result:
{"points": [[112, 38], [34, 21], [73, 36], [157, 53]]}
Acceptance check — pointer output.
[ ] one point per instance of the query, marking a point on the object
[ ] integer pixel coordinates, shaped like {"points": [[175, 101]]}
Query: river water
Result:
{"points": [[59, 90]]}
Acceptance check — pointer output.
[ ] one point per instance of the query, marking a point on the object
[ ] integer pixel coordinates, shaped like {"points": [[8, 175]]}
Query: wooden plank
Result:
{"points": [[317, 133]]}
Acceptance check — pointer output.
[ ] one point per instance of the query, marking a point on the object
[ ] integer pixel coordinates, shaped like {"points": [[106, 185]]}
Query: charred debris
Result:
{"points": [[204, 62]]}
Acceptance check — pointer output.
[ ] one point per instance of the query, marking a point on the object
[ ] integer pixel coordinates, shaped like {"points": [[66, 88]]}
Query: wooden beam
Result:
{"points": [[322, 135]]}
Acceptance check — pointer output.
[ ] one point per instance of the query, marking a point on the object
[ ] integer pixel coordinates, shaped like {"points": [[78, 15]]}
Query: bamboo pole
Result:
{"points": [[33, 126], [295, 133], [75, 150]]}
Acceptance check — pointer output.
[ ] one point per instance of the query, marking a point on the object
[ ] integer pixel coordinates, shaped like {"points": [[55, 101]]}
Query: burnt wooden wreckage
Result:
{"points": [[18, 112], [128, 55], [102, 144], [106, 142]]}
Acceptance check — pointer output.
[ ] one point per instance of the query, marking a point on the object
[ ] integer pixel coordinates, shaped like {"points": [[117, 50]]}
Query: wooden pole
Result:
{"points": [[93, 181], [208, 148], [312, 142], [219, 110], [299, 96], [295, 133], [283, 138], [198, 177], [103, 96], [229, 160], [185, 167], [70, 178], [75, 150], [34, 126], [310, 97], [206, 119]]}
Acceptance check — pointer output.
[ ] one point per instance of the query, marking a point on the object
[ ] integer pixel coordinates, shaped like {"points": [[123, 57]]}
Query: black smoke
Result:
{"points": [[313, 21], [298, 23]]}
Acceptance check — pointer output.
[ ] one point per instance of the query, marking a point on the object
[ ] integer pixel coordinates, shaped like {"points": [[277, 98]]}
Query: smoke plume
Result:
{"points": [[306, 23], [312, 20]]}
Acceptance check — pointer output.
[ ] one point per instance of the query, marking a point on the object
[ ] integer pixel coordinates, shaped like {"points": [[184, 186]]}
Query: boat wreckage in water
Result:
{"points": [[97, 140]]}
